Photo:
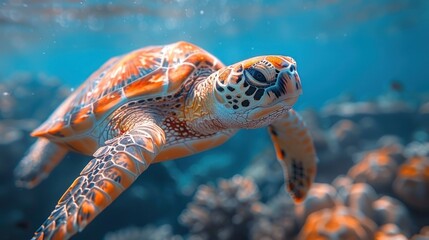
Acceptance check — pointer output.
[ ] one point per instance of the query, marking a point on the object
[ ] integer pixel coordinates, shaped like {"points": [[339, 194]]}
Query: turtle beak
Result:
{"points": [[288, 79], [288, 85], [293, 86]]}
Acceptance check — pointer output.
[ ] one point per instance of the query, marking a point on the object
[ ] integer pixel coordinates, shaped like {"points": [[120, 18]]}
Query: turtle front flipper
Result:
{"points": [[42, 157], [114, 168], [295, 151]]}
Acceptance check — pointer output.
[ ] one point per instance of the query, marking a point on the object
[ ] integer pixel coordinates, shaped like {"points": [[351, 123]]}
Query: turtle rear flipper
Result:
{"points": [[295, 151], [42, 157], [113, 169]]}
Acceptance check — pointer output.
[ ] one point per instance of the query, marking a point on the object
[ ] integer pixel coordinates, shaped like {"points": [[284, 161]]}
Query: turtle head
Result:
{"points": [[255, 92]]}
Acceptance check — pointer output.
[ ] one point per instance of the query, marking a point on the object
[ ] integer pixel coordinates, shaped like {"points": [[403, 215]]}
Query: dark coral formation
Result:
{"points": [[320, 196], [361, 204], [412, 182], [422, 235], [223, 212], [277, 221], [25, 101], [372, 179], [376, 168], [388, 210], [337, 223], [263, 163], [149, 232], [388, 232], [359, 199]]}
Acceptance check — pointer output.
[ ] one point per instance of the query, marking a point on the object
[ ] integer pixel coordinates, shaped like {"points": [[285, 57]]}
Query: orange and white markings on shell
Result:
{"points": [[149, 74]]}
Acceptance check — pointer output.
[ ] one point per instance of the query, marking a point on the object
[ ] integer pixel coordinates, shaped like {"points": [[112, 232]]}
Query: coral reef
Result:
{"points": [[277, 220], [423, 117], [372, 178], [24, 96], [423, 235], [377, 168], [367, 190], [388, 232], [25, 102], [342, 184], [319, 197], [225, 212], [346, 133], [337, 223], [259, 167], [388, 210], [359, 205], [359, 199], [412, 182], [163, 232], [416, 148]]}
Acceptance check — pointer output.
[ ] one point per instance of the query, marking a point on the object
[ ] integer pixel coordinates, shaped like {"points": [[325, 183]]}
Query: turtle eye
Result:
{"points": [[256, 77]]}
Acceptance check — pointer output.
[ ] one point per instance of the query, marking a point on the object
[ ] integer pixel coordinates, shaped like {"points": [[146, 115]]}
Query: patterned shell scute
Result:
{"points": [[144, 73]]}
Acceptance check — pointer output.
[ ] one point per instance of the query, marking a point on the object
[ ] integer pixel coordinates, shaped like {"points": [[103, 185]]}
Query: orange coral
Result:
{"points": [[412, 182], [377, 168], [337, 223]]}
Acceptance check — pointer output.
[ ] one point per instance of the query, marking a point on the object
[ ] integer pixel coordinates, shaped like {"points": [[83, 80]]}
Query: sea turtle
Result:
{"points": [[160, 103]]}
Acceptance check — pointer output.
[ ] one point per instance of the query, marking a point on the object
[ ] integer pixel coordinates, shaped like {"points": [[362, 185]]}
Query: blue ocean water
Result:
{"points": [[342, 47]]}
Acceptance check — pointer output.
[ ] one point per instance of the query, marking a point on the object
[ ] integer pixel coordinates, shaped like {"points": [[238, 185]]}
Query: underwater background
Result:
{"points": [[364, 70]]}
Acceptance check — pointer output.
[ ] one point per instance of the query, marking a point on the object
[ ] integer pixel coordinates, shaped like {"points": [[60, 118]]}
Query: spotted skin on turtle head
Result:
{"points": [[256, 88], [258, 82], [161, 103]]}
